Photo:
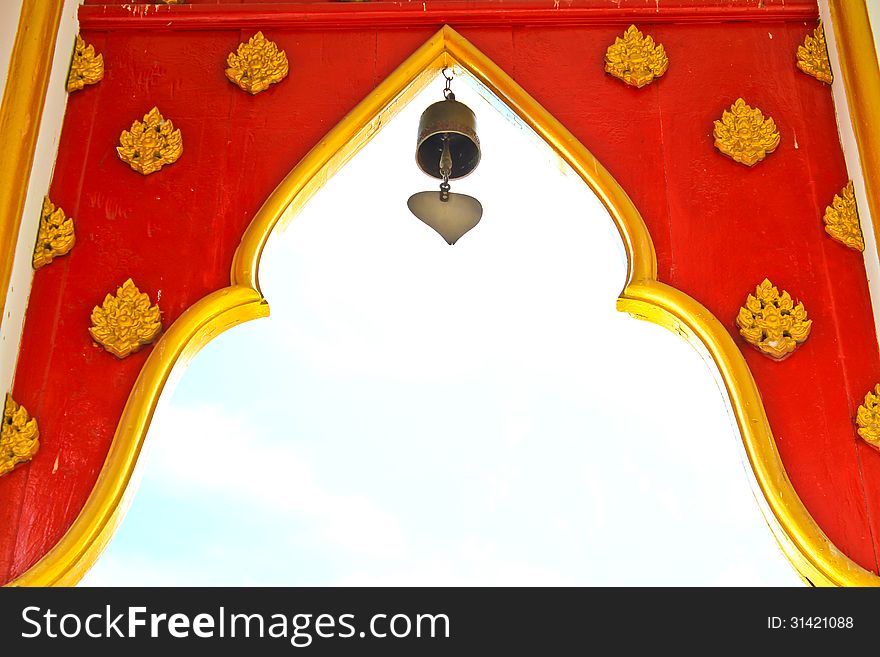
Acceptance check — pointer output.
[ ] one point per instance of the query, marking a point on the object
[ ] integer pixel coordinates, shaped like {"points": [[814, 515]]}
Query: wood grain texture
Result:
{"points": [[719, 227]]}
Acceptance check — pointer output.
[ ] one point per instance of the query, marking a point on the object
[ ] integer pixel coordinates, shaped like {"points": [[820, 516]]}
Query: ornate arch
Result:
{"points": [[644, 297]]}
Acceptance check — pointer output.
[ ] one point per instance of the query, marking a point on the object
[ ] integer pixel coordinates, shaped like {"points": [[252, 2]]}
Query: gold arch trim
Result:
{"points": [[811, 552]]}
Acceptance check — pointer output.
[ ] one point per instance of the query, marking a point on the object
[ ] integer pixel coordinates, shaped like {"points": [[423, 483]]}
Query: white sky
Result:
{"points": [[419, 414]]}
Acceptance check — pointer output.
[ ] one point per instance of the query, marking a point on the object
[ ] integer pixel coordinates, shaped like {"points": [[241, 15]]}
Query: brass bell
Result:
{"points": [[447, 148], [452, 122]]}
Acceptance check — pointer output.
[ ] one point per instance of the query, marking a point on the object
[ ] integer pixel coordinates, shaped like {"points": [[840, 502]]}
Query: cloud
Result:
{"points": [[208, 451]]}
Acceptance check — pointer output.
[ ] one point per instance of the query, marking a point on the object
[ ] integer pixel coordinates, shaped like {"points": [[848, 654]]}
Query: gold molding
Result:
{"points": [[868, 418], [21, 113], [744, 134], [19, 436], [86, 67], [256, 65], [772, 323], [812, 56], [643, 296], [842, 219], [55, 236], [150, 144], [635, 59], [125, 322], [861, 80]]}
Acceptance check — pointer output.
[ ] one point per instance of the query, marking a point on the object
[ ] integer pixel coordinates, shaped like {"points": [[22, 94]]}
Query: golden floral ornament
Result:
{"points": [[635, 58], [55, 236], [868, 418], [150, 144], [19, 436], [745, 135], [126, 322], [772, 322], [86, 67], [256, 64], [812, 57], [842, 219]]}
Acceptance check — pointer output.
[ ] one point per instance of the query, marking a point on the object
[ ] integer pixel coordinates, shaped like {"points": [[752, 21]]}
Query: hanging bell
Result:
{"points": [[447, 148], [453, 123]]}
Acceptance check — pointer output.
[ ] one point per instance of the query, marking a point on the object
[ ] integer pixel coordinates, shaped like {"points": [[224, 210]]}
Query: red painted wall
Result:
{"points": [[719, 227]]}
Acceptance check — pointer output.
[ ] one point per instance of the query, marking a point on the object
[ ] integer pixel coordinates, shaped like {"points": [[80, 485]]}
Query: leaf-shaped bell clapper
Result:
{"points": [[447, 148]]}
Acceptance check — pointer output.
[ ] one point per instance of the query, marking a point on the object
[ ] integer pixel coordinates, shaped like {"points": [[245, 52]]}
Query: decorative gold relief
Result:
{"points": [[812, 57], [55, 236], [771, 322], [125, 322], [868, 418], [19, 436], [256, 64], [745, 135], [86, 67], [842, 219], [635, 58], [150, 144]]}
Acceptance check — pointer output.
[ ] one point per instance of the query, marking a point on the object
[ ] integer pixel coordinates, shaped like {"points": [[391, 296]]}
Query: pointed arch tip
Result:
{"points": [[446, 47], [815, 558]]}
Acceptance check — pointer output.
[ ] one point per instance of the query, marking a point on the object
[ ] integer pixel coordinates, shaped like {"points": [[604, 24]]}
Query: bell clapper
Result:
{"points": [[445, 167]]}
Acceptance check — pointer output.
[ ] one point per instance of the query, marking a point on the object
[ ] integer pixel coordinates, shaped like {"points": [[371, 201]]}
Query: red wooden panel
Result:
{"points": [[719, 227], [463, 14], [473, 10]]}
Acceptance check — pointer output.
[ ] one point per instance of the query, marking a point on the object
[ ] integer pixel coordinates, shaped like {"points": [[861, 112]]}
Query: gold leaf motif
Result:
{"points": [[868, 418], [125, 322], [55, 236], [19, 436], [635, 59], [745, 135], [86, 67], [842, 219], [812, 57], [772, 322], [256, 64], [150, 144]]}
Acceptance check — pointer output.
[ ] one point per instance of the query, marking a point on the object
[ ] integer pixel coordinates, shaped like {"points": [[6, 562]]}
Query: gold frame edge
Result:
{"points": [[861, 81], [21, 113]]}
